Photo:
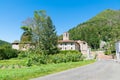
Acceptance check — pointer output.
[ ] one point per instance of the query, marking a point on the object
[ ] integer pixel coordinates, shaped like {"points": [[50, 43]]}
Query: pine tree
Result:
{"points": [[49, 38]]}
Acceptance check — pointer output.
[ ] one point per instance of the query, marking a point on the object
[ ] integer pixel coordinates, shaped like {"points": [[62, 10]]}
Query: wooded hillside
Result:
{"points": [[4, 43], [105, 26]]}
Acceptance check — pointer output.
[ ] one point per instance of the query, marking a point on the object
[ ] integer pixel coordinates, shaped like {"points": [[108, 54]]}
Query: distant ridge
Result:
{"points": [[4, 42]]}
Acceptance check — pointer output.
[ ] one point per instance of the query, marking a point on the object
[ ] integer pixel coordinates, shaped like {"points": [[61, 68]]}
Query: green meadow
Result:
{"points": [[15, 69]]}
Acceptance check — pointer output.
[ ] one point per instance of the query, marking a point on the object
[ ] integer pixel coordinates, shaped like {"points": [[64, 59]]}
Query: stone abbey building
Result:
{"points": [[65, 44]]}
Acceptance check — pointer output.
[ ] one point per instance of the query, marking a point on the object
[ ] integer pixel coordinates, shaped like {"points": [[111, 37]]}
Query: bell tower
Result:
{"points": [[66, 36]]}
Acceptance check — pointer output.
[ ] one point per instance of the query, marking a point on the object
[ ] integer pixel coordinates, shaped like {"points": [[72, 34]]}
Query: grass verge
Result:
{"points": [[37, 71], [12, 61]]}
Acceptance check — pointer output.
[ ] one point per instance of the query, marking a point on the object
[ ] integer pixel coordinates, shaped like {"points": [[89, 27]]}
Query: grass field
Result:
{"points": [[12, 61], [26, 73]]}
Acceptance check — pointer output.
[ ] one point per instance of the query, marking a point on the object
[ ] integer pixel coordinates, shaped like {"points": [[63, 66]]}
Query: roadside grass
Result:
{"points": [[26, 73], [13, 62]]}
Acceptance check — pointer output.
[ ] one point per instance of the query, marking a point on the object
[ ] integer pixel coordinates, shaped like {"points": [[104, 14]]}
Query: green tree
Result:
{"points": [[39, 23], [49, 38], [26, 36], [45, 33]]}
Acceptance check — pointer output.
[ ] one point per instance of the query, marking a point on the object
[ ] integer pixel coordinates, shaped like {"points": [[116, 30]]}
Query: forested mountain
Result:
{"points": [[4, 43], [105, 26]]}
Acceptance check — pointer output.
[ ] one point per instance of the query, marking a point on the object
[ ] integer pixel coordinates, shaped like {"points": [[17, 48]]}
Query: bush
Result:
{"points": [[107, 52], [40, 59], [70, 51], [66, 57], [23, 54], [7, 53], [62, 57], [29, 63]]}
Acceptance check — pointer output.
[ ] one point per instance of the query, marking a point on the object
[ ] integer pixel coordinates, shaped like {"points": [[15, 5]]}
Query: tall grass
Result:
{"points": [[39, 65], [15, 62], [35, 71]]}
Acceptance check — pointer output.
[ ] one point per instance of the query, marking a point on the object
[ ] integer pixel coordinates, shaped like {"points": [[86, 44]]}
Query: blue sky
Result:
{"points": [[65, 14]]}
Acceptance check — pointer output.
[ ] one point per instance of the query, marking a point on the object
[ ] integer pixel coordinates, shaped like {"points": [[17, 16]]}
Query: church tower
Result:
{"points": [[66, 36]]}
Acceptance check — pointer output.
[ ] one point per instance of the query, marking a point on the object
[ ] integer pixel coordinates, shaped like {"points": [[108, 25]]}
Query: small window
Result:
{"points": [[66, 35], [84, 43], [71, 43], [65, 43], [65, 48]]}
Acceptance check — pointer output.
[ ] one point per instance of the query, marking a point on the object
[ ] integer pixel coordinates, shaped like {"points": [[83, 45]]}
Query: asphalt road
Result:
{"points": [[100, 70]]}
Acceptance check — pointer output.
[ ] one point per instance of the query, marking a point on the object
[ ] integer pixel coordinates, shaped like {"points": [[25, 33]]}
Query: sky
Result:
{"points": [[65, 14]]}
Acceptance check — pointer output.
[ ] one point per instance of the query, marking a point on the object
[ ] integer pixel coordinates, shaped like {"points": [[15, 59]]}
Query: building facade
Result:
{"points": [[22, 46], [67, 44], [15, 45]]}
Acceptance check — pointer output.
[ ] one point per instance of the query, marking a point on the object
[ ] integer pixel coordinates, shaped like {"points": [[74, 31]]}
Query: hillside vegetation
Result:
{"points": [[6, 51], [4, 43], [105, 26]]}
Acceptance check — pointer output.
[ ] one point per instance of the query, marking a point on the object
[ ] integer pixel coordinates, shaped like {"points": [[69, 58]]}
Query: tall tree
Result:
{"points": [[39, 23], [49, 38], [43, 33]]}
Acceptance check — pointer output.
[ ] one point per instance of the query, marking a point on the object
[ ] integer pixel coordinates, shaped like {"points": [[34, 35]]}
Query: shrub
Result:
{"points": [[62, 57], [29, 63], [107, 52], [7, 53], [2, 55], [39, 59], [23, 54], [11, 53]]}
